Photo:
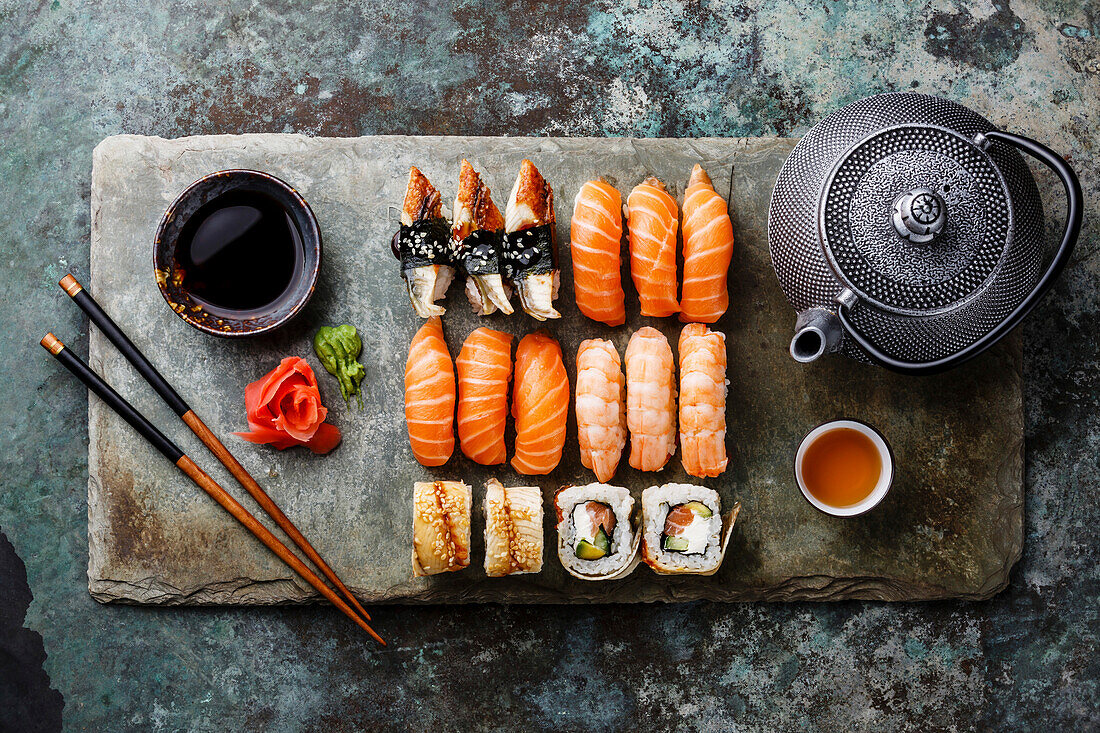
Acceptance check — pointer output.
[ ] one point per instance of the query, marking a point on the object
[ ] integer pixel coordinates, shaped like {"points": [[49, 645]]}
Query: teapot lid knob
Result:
{"points": [[919, 215]]}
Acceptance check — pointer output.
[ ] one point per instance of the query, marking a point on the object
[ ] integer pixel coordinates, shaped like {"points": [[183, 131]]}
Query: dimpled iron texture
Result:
{"points": [[830, 225]]}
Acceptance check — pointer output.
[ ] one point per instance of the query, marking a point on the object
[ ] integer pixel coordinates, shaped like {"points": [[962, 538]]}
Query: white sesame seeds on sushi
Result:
{"points": [[513, 529], [441, 527]]}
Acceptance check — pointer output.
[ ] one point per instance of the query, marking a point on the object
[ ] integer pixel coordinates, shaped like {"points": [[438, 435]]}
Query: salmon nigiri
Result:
{"points": [[540, 404], [484, 369], [595, 239], [650, 399], [708, 247], [702, 400], [652, 217], [430, 395], [600, 407]]}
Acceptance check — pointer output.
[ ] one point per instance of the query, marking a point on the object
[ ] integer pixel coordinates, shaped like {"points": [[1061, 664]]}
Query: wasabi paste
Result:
{"points": [[338, 349]]}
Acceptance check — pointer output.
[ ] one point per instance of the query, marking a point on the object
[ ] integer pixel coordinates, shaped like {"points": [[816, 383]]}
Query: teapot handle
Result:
{"points": [[847, 299]]}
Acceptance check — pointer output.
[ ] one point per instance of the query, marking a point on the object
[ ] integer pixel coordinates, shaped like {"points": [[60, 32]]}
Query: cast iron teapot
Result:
{"points": [[906, 230]]}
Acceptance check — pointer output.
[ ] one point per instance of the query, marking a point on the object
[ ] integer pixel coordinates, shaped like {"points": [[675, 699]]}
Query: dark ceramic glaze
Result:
{"points": [[184, 207]]}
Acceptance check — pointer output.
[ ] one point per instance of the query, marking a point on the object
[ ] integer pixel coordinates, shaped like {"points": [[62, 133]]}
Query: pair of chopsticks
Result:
{"points": [[172, 452]]}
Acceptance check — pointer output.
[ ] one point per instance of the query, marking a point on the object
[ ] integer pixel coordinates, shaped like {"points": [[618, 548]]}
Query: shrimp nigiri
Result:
{"points": [[477, 237], [530, 243], [484, 368], [430, 395], [595, 239], [540, 404], [652, 217], [650, 399], [708, 247], [422, 244], [600, 407], [702, 400]]}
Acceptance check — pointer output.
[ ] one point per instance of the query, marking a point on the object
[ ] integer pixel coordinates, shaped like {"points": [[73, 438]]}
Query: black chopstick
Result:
{"points": [[172, 452], [122, 342], [144, 367]]}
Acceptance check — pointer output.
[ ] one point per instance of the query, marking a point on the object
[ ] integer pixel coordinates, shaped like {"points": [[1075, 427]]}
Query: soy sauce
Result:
{"points": [[240, 252]]}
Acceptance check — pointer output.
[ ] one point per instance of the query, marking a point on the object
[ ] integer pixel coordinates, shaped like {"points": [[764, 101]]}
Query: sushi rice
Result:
{"points": [[623, 557]]}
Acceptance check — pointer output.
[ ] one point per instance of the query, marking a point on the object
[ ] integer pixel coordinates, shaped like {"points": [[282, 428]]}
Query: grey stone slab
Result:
{"points": [[951, 527]]}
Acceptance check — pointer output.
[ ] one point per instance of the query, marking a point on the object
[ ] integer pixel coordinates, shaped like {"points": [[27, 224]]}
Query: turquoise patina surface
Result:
{"points": [[71, 74]]}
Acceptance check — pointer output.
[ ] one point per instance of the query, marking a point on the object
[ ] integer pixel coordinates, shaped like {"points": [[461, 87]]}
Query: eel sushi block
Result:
{"points": [[422, 244], [650, 399], [596, 535], [530, 243], [430, 395], [652, 218], [477, 238], [540, 404], [595, 240], [484, 369], [702, 400], [513, 529], [682, 531], [708, 247], [441, 527], [600, 407]]}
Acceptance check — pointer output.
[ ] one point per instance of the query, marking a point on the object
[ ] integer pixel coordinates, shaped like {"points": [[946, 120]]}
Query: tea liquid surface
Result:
{"points": [[841, 467]]}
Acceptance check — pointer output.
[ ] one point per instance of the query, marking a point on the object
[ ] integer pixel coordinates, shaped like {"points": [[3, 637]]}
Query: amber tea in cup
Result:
{"points": [[844, 467]]}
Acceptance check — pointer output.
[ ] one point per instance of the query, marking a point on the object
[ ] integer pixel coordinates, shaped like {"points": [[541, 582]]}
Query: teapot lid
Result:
{"points": [[915, 218]]}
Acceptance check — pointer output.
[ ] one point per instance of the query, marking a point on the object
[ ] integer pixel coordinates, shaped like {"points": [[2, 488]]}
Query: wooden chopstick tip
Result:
{"points": [[70, 285], [52, 344]]}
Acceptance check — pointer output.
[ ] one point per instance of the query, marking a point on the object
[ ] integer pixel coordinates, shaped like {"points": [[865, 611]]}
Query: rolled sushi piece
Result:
{"points": [[423, 246], [513, 529], [441, 527], [477, 241], [683, 531], [530, 243], [597, 539]]}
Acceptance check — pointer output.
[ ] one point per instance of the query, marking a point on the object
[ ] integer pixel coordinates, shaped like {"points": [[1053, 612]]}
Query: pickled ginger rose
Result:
{"points": [[284, 409]]}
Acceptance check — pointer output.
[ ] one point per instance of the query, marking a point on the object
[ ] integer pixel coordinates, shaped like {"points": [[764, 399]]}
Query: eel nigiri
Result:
{"points": [[650, 399], [708, 247], [484, 369], [423, 246], [477, 237], [530, 243], [430, 395], [540, 404], [702, 400], [600, 407], [595, 239], [652, 218]]}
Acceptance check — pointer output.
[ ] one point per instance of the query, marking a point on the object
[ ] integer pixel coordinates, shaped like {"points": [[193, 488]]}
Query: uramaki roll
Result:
{"points": [[441, 527], [682, 529], [597, 539], [513, 529]]}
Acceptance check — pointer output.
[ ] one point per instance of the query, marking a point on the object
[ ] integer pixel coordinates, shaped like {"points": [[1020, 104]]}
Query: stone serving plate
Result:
{"points": [[951, 526]]}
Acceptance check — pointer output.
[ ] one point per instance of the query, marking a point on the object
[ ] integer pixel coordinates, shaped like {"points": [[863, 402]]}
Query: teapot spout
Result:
{"points": [[817, 332]]}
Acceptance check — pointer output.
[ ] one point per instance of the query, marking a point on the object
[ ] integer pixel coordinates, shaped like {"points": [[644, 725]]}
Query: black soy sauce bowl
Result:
{"points": [[167, 271]]}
